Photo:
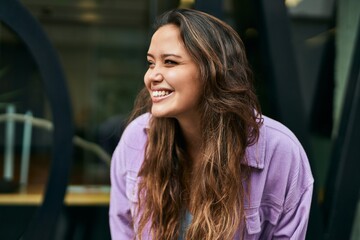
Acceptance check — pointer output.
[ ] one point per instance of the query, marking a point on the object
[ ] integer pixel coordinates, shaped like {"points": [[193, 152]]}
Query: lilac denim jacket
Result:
{"points": [[281, 184]]}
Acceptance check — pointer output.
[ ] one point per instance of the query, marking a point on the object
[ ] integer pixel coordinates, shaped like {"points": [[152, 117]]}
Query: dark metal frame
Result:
{"points": [[16, 16], [343, 186]]}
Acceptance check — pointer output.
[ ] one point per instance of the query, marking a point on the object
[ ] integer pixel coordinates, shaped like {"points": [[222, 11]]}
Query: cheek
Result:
{"points": [[173, 75], [146, 79]]}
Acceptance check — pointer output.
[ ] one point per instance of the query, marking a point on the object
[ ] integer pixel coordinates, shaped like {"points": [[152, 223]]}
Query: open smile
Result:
{"points": [[158, 95]]}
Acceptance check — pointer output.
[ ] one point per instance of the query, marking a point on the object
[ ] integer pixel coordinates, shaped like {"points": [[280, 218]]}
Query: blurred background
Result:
{"points": [[305, 58]]}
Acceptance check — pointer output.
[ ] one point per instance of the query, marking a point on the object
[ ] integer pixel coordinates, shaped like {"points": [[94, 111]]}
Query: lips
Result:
{"points": [[158, 95]]}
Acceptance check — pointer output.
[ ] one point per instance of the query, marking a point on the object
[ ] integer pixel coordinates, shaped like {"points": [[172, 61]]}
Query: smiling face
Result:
{"points": [[173, 78]]}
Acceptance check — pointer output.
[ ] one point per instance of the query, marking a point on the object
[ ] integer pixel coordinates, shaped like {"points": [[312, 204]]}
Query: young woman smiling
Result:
{"points": [[198, 160]]}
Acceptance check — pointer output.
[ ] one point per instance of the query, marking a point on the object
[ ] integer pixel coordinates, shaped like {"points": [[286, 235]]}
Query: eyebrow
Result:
{"points": [[165, 55]]}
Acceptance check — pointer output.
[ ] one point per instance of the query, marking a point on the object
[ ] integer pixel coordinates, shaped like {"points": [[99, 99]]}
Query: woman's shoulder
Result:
{"points": [[276, 131], [274, 139], [281, 144], [129, 152], [134, 135], [139, 123], [282, 150]]}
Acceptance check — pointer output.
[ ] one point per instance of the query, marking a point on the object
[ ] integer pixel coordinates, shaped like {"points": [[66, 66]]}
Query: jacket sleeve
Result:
{"points": [[293, 221], [120, 219]]}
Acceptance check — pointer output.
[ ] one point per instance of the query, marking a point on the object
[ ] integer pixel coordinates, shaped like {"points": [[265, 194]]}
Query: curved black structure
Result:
{"points": [[14, 15]]}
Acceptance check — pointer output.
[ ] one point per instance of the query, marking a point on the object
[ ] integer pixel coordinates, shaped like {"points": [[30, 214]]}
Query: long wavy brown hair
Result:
{"points": [[230, 122]]}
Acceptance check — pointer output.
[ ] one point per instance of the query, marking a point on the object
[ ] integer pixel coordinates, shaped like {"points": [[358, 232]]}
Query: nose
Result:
{"points": [[157, 77], [154, 74]]}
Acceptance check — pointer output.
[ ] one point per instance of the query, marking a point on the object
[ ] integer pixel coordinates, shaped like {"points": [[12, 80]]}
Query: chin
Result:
{"points": [[160, 114]]}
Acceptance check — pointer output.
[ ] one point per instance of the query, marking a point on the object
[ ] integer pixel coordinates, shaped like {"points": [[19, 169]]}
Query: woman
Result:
{"points": [[199, 161]]}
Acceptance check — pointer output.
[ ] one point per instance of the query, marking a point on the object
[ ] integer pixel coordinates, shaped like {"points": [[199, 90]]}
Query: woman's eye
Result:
{"points": [[170, 62], [150, 63]]}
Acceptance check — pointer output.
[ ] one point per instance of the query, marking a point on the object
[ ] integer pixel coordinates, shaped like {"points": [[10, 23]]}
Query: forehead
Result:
{"points": [[167, 37]]}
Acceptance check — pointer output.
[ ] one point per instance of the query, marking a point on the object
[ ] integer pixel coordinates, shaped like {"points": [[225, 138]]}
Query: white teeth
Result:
{"points": [[160, 93]]}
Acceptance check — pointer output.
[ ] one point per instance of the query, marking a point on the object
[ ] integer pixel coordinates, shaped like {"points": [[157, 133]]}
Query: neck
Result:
{"points": [[192, 136]]}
